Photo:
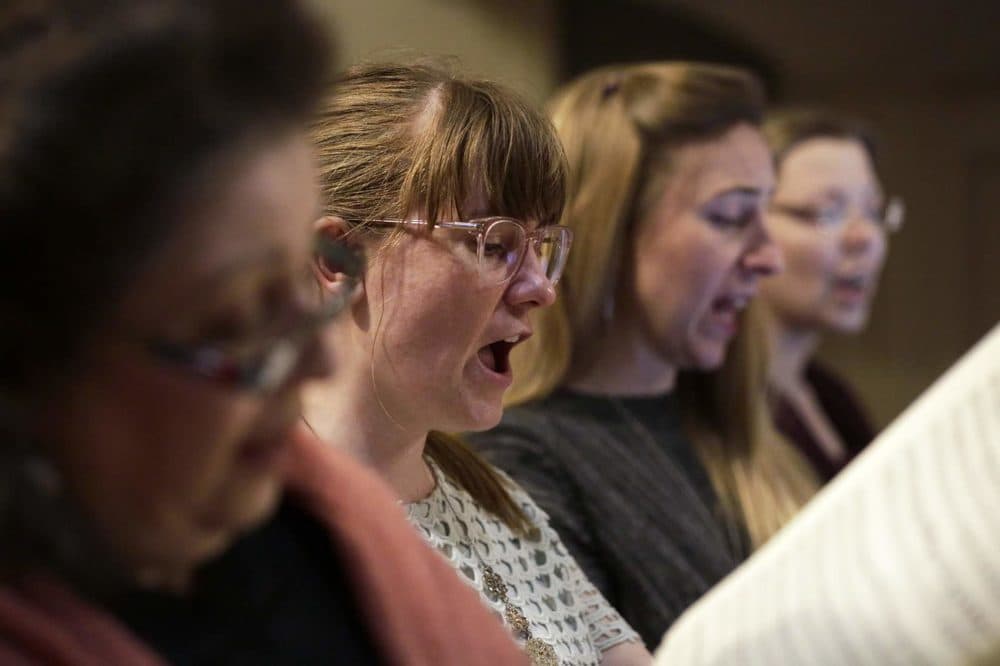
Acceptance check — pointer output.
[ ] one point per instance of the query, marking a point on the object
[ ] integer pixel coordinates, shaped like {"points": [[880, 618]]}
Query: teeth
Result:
{"points": [[738, 302], [512, 339]]}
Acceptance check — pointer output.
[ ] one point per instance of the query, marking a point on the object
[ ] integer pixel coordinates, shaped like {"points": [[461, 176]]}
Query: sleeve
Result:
{"points": [[525, 453]]}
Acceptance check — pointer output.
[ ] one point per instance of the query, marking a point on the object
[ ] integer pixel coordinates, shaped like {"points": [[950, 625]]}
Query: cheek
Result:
{"points": [[808, 257], [678, 276], [428, 321], [150, 449], [880, 249]]}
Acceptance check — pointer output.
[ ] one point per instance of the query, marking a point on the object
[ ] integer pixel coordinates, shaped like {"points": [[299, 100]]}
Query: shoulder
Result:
{"points": [[825, 379], [543, 426], [387, 560], [841, 404], [536, 515]]}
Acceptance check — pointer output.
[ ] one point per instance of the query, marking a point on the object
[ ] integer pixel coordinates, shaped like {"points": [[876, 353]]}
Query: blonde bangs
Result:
{"points": [[484, 142]]}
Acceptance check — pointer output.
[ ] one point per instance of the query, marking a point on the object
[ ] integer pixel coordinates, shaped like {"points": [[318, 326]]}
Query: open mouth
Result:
{"points": [[851, 290], [857, 282], [725, 313], [730, 304], [496, 355]]}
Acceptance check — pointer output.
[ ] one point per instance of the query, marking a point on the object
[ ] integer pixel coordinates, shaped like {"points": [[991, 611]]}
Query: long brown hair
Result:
{"points": [[396, 138], [621, 126]]}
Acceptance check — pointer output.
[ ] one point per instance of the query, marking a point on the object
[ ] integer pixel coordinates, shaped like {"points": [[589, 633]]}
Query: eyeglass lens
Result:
{"points": [[505, 241]]}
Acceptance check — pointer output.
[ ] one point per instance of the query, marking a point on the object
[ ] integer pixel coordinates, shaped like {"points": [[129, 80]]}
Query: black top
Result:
{"points": [[278, 596], [625, 490], [841, 407]]}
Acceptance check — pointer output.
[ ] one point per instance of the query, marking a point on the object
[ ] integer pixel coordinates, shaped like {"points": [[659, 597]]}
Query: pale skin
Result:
{"points": [[791, 351], [407, 363], [695, 262], [832, 272]]}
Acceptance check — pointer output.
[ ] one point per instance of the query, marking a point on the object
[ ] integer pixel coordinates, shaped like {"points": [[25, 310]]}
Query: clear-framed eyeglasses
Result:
{"points": [[888, 216], [499, 244], [266, 361]]}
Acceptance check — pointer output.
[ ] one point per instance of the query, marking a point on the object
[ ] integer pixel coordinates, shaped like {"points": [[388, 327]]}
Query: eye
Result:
{"points": [[255, 310], [875, 210], [737, 221], [503, 239], [465, 242], [494, 249], [224, 328]]}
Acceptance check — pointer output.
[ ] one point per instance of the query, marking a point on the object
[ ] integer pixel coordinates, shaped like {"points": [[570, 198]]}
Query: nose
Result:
{"points": [[763, 257], [529, 285], [863, 235]]}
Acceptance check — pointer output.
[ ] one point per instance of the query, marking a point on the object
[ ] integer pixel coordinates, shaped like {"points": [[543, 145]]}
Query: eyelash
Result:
{"points": [[741, 221]]}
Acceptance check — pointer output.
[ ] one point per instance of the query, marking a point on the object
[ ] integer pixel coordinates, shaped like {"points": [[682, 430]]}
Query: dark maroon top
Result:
{"points": [[842, 408]]}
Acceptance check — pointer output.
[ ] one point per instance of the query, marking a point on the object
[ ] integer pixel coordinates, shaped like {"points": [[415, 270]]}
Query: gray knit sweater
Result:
{"points": [[625, 491]]}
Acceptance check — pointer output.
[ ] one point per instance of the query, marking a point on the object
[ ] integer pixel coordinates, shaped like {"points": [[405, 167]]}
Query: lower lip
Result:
{"points": [[850, 295], [723, 323], [501, 379]]}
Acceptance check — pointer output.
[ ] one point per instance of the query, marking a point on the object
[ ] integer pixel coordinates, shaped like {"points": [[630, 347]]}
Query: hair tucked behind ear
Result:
{"points": [[393, 139]]}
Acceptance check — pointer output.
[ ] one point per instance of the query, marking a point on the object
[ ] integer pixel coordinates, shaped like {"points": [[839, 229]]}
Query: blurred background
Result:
{"points": [[925, 73]]}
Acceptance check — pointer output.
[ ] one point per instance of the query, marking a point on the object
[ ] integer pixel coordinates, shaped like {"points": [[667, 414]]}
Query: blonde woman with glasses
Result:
{"points": [[832, 220], [451, 188]]}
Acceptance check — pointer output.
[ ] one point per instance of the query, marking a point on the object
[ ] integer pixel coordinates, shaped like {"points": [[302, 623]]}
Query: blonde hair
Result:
{"points": [[760, 478], [392, 139], [621, 127]]}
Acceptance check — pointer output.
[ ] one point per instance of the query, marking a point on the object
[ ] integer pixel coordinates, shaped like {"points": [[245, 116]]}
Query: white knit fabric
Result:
{"points": [[563, 608]]}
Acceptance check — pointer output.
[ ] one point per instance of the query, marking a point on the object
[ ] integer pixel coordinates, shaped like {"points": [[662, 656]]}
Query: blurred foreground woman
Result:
{"points": [[159, 316]]}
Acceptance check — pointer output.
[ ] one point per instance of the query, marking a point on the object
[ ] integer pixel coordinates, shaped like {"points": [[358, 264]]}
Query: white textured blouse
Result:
{"points": [[562, 607]]}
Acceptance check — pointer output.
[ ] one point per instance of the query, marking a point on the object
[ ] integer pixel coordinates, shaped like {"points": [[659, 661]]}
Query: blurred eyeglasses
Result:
{"points": [[264, 363], [499, 244], [888, 216]]}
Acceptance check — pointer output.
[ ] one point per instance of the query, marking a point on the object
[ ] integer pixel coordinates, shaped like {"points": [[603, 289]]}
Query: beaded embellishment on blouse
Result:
{"points": [[530, 581]]}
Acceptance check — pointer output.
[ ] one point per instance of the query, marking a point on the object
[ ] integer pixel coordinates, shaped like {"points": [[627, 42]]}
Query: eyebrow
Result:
{"points": [[835, 192], [742, 190]]}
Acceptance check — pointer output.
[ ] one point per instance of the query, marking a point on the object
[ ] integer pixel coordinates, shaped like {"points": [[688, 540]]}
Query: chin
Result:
{"points": [[706, 356], [481, 417], [847, 323], [244, 505], [259, 504]]}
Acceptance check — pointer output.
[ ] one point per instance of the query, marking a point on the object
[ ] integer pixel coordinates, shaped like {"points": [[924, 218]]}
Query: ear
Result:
{"points": [[332, 272]]}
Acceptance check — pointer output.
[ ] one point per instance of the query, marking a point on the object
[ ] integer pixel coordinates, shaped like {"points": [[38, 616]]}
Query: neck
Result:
{"points": [[625, 364], [348, 415], [792, 348]]}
